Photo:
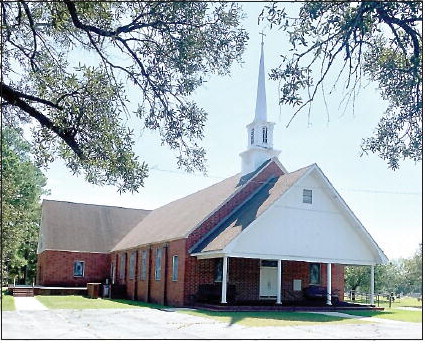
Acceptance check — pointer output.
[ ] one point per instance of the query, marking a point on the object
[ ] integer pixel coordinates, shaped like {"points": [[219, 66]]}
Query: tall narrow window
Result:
{"points": [[158, 259], [307, 196], [264, 134], [122, 265], [218, 270], [252, 136], [175, 268], [132, 269], [78, 269], [314, 273], [143, 264]]}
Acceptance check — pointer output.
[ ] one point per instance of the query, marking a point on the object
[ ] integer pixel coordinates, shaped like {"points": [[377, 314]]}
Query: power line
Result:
{"points": [[369, 191]]}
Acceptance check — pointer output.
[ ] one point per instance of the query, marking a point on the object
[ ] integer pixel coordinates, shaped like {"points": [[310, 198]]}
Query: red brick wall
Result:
{"points": [[56, 268], [164, 290], [245, 275], [175, 289]]}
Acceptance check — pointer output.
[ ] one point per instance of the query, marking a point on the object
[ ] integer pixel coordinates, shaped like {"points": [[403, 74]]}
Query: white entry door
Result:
{"points": [[268, 280]]}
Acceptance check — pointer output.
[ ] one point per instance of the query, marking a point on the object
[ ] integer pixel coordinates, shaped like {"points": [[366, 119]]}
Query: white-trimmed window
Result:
{"points": [[265, 139], [158, 259], [132, 269], [78, 268], [252, 136], [122, 265], [308, 196], [143, 265], [175, 268]]}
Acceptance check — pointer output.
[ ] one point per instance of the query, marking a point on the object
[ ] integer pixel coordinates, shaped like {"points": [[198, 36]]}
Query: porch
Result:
{"points": [[268, 284]]}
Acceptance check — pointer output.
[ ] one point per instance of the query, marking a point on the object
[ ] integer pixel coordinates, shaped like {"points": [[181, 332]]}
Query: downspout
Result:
{"points": [[148, 273], [165, 273]]}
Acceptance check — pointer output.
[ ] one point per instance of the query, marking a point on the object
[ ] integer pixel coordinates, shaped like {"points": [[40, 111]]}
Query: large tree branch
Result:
{"points": [[13, 97]]}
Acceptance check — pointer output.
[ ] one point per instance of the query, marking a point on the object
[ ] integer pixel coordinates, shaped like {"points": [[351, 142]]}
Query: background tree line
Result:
{"points": [[22, 185], [399, 276]]}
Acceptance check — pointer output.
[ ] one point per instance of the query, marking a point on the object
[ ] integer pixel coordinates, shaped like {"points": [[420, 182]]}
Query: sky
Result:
{"points": [[387, 202]]}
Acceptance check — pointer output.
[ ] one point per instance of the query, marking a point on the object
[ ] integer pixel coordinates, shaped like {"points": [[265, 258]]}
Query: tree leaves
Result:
{"points": [[22, 186], [379, 41], [79, 60]]}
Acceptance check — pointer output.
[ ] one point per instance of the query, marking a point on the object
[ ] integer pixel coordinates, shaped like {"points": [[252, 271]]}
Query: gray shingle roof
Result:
{"points": [[85, 227], [177, 219]]}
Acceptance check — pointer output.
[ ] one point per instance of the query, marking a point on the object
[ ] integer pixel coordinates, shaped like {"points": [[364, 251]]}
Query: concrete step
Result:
{"points": [[17, 292]]}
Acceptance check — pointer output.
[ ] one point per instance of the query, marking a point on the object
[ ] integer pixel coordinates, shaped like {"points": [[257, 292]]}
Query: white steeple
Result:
{"points": [[260, 131], [261, 105]]}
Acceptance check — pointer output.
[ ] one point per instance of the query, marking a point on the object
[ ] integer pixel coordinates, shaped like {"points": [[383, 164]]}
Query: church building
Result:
{"points": [[265, 234]]}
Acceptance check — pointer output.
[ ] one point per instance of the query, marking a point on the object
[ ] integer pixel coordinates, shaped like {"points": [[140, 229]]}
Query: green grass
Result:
{"points": [[272, 318], [391, 314], [402, 302], [7, 302], [82, 302]]}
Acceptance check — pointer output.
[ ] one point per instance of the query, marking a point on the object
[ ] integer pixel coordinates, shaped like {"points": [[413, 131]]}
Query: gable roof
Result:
{"points": [[179, 218], [176, 219], [245, 214], [85, 227], [245, 232]]}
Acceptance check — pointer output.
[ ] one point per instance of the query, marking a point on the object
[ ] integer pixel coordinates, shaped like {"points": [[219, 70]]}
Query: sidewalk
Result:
{"points": [[371, 319], [28, 303]]}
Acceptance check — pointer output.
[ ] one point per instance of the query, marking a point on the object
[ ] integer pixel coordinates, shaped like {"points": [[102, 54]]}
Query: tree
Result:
{"points": [[413, 272], [377, 40], [68, 67], [22, 186]]}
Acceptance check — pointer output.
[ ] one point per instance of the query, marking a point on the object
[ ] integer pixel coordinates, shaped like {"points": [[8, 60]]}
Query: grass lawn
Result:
{"points": [[272, 318], [81, 302], [402, 302], [390, 313], [7, 302]]}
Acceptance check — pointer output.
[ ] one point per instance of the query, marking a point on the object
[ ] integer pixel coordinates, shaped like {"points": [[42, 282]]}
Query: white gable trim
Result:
{"points": [[377, 252], [360, 226]]}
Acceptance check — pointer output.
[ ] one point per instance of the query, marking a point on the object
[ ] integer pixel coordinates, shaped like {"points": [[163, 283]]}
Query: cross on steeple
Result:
{"points": [[262, 37]]}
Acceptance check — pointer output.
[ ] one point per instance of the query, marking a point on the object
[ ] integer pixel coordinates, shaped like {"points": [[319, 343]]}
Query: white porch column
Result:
{"points": [[224, 281], [279, 282], [372, 284], [329, 284]]}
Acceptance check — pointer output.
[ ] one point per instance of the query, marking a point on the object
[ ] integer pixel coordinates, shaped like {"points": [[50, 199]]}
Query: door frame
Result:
{"points": [[267, 268]]}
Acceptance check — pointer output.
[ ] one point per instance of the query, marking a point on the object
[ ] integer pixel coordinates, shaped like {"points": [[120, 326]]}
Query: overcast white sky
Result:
{"points": [[388, 203]]}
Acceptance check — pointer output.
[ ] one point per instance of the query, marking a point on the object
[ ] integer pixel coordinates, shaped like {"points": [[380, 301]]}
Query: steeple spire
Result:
{"points": [[261, 105], [260, 131]]}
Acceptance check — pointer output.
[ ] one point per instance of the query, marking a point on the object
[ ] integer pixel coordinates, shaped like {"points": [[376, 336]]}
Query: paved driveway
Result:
{"points": [[148, 323]]}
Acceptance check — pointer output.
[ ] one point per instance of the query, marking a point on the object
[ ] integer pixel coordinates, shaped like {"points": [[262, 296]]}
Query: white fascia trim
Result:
{"points": [[264, 256], [363, 230], [209, 255]]}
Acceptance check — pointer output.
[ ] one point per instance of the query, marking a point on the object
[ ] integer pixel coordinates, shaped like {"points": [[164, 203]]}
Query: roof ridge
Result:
{"points": [[95, 205]]}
